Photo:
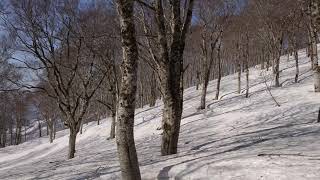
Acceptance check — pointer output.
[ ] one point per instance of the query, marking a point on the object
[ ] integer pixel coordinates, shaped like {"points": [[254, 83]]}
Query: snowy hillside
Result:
{"points": [[234, 138]]}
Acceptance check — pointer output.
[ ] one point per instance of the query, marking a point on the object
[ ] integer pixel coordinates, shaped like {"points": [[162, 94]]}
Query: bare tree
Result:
{"points": [[49, 112], [171, 33], [274, 20], [51, 33], [213, 17]]}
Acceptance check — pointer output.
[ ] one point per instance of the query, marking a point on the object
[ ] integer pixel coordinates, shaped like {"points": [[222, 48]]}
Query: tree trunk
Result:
{"points": [[72, 143], [39, 126], [1, 140], [316, 76], [11, 135], [141, 93], [296, 57], [54, 130], [126, 103], [207, 67], [4, 136], [171, 70], [277, 63], [172, 113], [310, 46], [198, 80], [314, 56], [18, 134], [316, 69], [50, 129], [81, 126], [247, 78], [153, 89], [239, 76], [51, 135], [268, 61], [204, 92], [25, 133], [276, 72], [113, 126], [219, 71], [172, 90], [314, 19], [262, 65], [318, 121]]}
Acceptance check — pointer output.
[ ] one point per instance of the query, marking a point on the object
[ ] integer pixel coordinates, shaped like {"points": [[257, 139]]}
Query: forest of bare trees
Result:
{"points": [[66, 63]]}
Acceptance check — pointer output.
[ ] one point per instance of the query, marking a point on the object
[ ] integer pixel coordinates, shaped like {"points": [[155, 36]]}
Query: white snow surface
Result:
{"points": [[235, 138]]}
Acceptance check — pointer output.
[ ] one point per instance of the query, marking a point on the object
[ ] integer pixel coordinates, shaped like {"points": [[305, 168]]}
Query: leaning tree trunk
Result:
{"points": [[126, 103]]}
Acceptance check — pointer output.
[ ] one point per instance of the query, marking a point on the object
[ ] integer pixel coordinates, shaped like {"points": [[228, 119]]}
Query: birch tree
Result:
{"points": [[314, 22], [129, 164]]}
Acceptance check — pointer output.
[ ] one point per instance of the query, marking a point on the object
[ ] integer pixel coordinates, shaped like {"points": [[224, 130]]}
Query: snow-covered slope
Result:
{"points": [[234, 138]]}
